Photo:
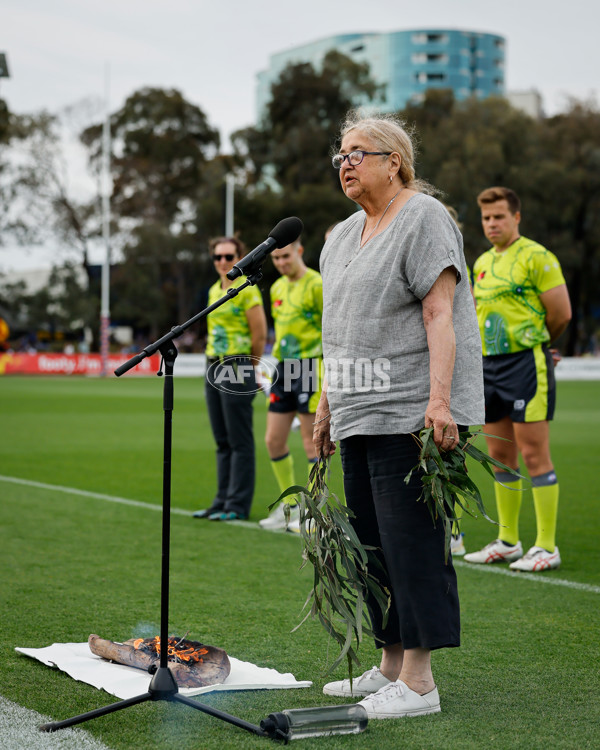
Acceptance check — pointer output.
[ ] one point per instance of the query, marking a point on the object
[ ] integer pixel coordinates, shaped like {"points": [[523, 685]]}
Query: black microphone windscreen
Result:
{"points": [[287, 231]]}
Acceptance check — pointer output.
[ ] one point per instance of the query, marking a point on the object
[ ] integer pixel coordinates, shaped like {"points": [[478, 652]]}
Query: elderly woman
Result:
{"points": [[237, 332], [402, 352]]}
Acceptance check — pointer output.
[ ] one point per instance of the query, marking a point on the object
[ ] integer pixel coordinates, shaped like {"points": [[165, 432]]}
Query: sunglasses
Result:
{"points": [[225, 256]]}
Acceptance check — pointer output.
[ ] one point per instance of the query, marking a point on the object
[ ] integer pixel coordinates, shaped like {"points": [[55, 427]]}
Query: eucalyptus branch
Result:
{"points": [[341, 580], [446, 482]]}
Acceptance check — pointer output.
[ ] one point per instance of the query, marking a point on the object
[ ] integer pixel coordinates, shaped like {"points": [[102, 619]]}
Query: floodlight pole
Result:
{"points": [[106, 192]]}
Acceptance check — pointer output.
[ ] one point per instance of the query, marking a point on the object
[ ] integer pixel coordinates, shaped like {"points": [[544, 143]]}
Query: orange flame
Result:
{"points": [[177, 649]]}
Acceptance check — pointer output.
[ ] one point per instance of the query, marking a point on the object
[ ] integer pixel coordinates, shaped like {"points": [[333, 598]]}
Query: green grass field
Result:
{"points": [[527, 675]]}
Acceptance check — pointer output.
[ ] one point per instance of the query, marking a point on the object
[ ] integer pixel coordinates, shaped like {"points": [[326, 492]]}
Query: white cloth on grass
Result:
{"points": [[81, 664]]}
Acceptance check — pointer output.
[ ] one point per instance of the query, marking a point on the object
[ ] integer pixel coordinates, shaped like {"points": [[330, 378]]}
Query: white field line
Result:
{"points": [[535, 578], [93, 495], [19, 730], [108, 498]]}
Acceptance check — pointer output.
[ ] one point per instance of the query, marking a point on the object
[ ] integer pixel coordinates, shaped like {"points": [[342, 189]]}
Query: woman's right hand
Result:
{"points": [[322, 429]]}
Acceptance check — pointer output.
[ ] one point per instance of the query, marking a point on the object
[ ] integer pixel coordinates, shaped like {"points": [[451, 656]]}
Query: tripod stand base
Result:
{"points": [[163, 686], [53, 726]]}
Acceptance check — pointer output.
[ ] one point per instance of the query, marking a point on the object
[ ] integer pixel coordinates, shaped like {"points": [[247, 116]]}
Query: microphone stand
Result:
{"points": [[163, 685]]}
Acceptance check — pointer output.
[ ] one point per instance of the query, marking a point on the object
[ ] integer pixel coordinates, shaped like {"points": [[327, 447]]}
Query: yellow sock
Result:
{"points": [[545, 501], [283, 468], [508, 505]]}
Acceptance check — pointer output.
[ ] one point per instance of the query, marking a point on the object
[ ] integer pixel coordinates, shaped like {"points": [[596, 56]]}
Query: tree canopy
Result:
{"points": [[161, 143], [164, 154], [294, 140]]}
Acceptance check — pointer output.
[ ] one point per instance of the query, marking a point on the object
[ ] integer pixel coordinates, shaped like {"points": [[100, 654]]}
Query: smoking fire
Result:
{"points": [[193, 664], [178, 649]]}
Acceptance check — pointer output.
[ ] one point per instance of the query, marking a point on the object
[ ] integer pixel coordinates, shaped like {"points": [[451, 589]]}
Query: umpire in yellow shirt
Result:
{"points": [[522, 306], [237, 332], [297, 309]]}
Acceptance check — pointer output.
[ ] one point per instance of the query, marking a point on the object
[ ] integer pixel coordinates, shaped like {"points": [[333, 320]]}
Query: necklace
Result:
{"points": [[372, 232]]}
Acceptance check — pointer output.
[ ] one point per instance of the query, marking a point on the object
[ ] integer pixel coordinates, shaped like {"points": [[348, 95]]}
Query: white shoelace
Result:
{"points": [[535, 552], [383, 694], [371, 674]]}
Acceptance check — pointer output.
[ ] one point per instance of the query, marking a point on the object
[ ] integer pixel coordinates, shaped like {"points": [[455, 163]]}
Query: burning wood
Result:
{"points": [[192, 664]]}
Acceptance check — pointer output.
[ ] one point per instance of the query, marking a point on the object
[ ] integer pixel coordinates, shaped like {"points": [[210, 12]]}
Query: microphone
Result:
{"points": [[287, 231]]}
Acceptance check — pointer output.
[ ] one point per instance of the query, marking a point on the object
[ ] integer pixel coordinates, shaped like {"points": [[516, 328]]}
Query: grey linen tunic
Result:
{"points": [[374, 340]]}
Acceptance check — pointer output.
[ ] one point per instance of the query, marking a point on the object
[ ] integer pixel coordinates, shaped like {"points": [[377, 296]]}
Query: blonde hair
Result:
{"points": [[390, 133]]}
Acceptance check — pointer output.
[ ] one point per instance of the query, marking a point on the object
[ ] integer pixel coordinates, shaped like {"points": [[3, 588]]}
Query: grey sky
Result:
{"points": [[211, 50]]}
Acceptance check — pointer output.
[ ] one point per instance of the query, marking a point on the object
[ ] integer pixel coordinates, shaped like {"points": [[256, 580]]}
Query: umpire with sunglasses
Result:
{"points": [[237, 332]]}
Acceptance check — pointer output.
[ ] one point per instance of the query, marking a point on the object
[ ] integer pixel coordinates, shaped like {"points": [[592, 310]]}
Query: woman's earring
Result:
{"points": [[391, 178]]}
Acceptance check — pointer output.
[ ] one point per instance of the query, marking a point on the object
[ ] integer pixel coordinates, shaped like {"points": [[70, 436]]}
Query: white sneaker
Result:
{"points": [[368, 683], [496, 551], [537, 558], [457, 546], [294, 525], [396, 700], [276, 519], [295, 528]]}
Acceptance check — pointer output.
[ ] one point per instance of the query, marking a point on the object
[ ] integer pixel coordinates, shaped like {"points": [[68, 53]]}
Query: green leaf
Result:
{"points": [[293, 490], [341, 580]]}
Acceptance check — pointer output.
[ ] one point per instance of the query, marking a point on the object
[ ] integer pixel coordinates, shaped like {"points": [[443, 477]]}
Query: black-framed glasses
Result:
{"points": [[224, 256], [355, 157]]}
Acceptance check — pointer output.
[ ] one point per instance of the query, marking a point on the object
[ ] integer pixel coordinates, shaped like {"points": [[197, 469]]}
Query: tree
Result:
{"points": [[161, 145], [5, 136], [303, 117], [164, 160], [567, 193], [288, 156], [40, 204]]}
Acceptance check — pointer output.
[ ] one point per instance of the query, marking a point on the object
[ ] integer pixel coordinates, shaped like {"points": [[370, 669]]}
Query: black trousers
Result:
{"points": [[229, 396], [424, 610]]}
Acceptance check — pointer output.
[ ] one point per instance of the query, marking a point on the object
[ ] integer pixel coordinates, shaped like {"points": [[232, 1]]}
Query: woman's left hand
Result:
{"points": [[324, 446], [445, 430]]}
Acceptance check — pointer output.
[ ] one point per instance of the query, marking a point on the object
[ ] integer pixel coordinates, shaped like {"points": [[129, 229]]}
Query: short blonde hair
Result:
{"points": [[390, 133]]}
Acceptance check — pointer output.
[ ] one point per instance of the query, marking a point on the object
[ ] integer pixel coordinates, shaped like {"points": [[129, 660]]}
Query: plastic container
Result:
{"points": [[296, 723]]}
